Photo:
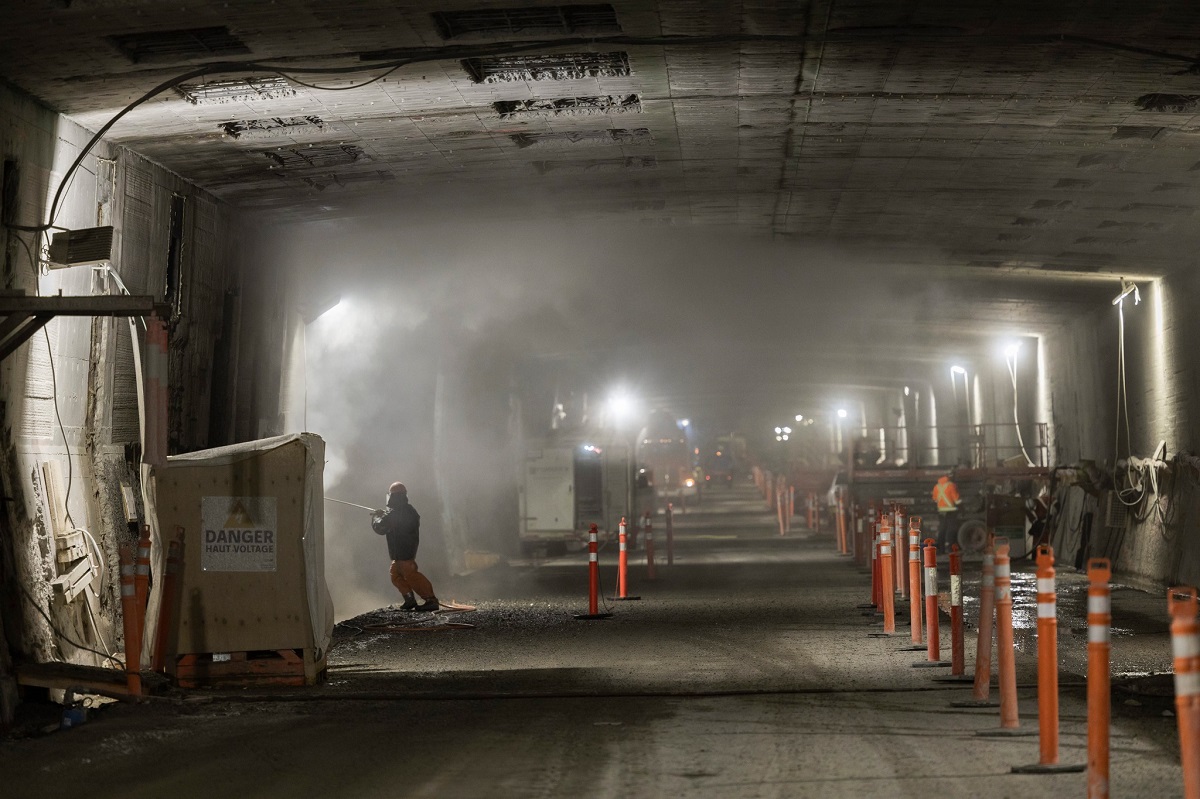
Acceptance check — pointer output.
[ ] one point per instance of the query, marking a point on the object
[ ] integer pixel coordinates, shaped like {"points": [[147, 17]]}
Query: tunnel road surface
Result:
{"points": [[745, 670]]}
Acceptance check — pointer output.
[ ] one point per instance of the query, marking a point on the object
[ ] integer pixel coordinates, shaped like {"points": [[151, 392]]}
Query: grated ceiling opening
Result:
{"points": [[557, 66], [568, 106], [235, 90], [584, 138], [597, 165], [320, 156], [273, 126], [180, 45], [593, 18]]}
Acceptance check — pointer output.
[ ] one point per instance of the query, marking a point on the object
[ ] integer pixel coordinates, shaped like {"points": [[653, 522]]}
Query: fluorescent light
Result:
{"points": [[957, 370], [842, 414], [799, 417]]}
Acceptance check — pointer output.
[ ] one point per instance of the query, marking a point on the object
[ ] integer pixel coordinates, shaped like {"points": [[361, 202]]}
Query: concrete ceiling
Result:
{"points": [[1023, 150]]}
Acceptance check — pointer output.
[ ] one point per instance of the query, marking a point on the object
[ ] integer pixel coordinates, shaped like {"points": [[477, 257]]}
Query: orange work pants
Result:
{"points": [[407, 579]]}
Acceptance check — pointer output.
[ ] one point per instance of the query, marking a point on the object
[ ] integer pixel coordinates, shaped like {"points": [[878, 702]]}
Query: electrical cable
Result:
{"points": [[63, 635], [1012, 371], [297, 81], [62, 428]]}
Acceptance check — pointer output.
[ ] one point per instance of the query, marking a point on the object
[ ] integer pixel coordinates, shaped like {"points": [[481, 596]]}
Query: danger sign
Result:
{"points": [[240, 534]]}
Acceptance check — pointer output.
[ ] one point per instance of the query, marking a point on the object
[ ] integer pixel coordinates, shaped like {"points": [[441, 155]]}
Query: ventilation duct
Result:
{"points": [[85, 247]]}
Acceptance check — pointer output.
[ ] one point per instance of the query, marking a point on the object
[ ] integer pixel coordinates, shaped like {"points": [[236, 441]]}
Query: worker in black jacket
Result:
{"points": [[401, 523]]}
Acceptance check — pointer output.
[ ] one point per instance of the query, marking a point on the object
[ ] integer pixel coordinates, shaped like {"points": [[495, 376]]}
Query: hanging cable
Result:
{"points": [[1011, 363]]}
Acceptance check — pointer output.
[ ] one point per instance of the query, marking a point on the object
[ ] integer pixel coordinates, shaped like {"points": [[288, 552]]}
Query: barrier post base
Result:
{"points": [[974, 703], [932, 664], [866, 605], [913, 648], [1056, 768], [1006, 732], [956, 678], [623, 599], [881, 635], [592, 616]]}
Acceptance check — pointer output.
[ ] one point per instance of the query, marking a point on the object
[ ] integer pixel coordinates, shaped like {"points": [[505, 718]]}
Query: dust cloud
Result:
{"points": [[451, 341]]}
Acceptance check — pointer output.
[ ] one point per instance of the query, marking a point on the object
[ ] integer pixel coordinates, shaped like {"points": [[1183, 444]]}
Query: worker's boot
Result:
{"points": [[428, 605], [410, 603]]}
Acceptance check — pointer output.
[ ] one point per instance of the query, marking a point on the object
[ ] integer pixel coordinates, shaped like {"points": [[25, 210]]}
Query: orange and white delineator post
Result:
{"points": [[670, 534], [142, 573], [901, 565], [1009, 715], [914, 576], [933, 646], [1185, 646], [791, 505], [781, 509], [957, 655], [876, 577], [812, 511], [593, 579], [1099, 696], [886, 594], [651, 569], [983, 644], [841, 522], [132, 624], [1047, 649], [623, 564]]}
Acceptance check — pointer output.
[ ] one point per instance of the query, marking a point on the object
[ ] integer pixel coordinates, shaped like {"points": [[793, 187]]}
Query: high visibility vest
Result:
{"points": [[946, 494]]}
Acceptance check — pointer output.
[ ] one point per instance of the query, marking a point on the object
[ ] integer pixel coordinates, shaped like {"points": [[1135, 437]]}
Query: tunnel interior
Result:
{"points": [[835, 237]]}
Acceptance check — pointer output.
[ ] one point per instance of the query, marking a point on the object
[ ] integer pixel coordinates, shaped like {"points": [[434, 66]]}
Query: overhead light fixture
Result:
{"points": [[778, 430], [957, 370], [787, 430], [1126, 290], [799, 417], [842, 413], [906, 391], [785, 438], [1012, 349]]}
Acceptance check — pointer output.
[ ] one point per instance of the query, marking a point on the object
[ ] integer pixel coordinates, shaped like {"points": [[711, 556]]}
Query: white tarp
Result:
{"points": [[320, 605]]}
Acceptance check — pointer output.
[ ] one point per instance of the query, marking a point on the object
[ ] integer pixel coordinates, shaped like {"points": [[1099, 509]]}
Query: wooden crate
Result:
{"points": [[294, 667]]}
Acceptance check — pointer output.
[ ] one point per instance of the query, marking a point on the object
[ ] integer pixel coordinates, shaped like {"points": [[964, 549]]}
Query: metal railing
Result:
{"points": [[977, 445]]}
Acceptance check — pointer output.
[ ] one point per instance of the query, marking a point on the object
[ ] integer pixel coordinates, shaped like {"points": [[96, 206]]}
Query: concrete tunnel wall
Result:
{"points": [[223, 349], [1154, 541]]}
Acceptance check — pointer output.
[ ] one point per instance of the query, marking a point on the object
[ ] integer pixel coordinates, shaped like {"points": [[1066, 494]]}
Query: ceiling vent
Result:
{"points": [[558, 66], [569, 106], [584, 138], [322, 182], [85, 247], [273, 126], [322, 156], [181, 45], [592, 18], [236, 90]]}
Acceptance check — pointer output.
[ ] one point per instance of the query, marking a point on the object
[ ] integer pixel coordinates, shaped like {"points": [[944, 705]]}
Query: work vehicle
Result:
{"points": [[570, 482]]}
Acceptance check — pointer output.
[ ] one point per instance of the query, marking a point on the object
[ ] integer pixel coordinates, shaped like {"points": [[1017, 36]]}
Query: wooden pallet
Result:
{"points": [[271, 667]]}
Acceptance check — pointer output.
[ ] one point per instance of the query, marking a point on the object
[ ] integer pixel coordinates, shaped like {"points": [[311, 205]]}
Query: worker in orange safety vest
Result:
{"points": [[945, 493]]}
